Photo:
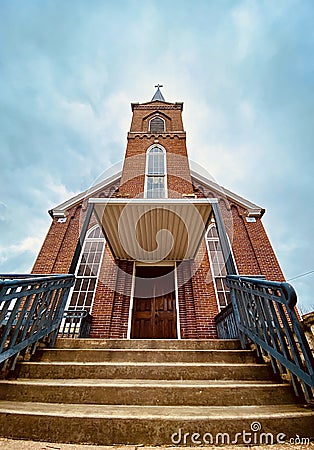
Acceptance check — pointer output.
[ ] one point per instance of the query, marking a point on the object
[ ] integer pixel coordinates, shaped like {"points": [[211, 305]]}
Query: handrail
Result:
{"points": [[75, 323], [31, 308], [225, 324], [265, 315]]}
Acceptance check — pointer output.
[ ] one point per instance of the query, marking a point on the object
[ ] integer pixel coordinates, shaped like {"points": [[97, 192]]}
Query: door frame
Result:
{"points": [[163, 263]]}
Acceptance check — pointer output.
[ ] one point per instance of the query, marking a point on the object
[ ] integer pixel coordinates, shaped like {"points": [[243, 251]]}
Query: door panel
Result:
{"points": [[142, 318], [165, 317]]}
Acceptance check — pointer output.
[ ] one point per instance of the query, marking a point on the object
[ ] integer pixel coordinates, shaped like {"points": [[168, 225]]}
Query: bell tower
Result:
{"points": [[156, 127]]}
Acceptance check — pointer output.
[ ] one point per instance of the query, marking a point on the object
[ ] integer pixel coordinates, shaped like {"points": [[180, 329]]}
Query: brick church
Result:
{"points": [[151, 245]]}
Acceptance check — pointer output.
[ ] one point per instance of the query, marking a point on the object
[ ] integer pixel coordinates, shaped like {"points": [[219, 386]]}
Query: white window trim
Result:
{"points": [[165, 167], [159, 117], [211, 264], [79, 263]]}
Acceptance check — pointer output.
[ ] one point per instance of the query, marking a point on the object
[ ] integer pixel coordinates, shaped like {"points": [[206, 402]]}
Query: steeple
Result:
{"points": [[158, 95]]}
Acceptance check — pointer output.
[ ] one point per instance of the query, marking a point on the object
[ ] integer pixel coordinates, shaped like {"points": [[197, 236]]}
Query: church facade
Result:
{"points": [[152, 244]]}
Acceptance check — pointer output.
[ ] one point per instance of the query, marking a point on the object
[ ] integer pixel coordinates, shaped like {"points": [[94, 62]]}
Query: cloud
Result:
{"points": [[245, 17], [18, 257]]}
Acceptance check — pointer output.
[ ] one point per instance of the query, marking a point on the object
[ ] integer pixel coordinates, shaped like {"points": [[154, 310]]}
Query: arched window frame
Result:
{"points": [[216, 257], [155, 117], [86, 280], [164, 175]]}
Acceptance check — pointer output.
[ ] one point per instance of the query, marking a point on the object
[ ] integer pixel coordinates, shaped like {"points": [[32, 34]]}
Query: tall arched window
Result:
{"points": [[157, 125], [155, 183], [218, 266], [87, 271]]}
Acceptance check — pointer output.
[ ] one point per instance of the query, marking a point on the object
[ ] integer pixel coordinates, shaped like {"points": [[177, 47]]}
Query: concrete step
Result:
{"points": [[145, 355], [153, 425], [167, 344], [147, 392], [144, 370]]}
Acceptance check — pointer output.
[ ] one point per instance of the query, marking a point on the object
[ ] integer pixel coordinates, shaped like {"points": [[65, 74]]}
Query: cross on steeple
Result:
{"points": [[158, 95]]}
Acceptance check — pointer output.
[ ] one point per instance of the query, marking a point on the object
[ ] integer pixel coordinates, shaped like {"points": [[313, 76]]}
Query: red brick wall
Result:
{"points": [[59, 246], [121, 301], [252, 249], [204, 295], [104, 297], [173, 140], [170, 112], [186, 303]]}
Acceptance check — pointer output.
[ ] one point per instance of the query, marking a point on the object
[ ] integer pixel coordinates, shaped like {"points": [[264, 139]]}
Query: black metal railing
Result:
{"points": [[75, 323], [226, 324], [31, 309], [265, 315]]}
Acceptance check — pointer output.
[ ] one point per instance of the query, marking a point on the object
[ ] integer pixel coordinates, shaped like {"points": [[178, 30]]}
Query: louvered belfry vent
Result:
{"points": [[157, 125]]}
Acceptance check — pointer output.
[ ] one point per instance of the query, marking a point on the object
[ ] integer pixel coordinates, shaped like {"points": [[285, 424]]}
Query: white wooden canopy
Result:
{"points": [[153, 230]]}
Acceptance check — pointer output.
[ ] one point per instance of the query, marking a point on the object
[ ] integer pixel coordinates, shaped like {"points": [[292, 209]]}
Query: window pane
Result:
{"points": [[74, 298], [155, 187], [81, 299], [92, 284], [90, 258], [222, 299], [89, 299], [155, 163], [87, 271], [87, 247]]}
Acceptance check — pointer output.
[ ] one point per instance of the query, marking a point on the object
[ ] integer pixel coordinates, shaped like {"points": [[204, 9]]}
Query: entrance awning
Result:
{"points": [[153, 229]]}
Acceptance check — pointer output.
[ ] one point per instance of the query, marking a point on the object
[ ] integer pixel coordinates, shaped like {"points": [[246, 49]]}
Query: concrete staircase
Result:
{"points": [[149, 392]]}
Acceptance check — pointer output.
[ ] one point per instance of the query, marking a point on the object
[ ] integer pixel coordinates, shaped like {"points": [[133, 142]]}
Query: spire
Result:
{"points": [[158, 95]]}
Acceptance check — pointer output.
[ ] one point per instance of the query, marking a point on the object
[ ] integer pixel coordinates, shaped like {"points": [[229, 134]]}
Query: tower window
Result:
{"points": [[218, 266], [155, 183], [157, 125]]}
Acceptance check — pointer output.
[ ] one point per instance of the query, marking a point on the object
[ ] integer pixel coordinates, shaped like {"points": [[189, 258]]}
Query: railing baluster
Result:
{"points": [[39, 302], [264, 314], [75, 323]]}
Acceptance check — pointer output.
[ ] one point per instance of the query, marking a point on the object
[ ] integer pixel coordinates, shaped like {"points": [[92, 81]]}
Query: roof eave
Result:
{"points": [[61, 210], [252, 209]]}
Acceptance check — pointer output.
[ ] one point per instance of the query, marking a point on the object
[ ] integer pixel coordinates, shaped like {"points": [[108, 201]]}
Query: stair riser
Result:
{"points": [[147, 431], [140, 395], [137, 371], [154, 356], [176, 344]]}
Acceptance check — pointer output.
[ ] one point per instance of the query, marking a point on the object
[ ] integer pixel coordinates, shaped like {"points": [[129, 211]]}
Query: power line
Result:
{"points": [[302, 275]]}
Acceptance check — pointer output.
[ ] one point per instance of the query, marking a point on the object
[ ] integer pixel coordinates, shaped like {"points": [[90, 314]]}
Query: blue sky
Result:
{"points": [[244, 70]]}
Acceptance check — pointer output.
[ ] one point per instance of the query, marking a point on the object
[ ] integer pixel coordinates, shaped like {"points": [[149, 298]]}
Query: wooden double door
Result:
{"points": [[154, 305]]}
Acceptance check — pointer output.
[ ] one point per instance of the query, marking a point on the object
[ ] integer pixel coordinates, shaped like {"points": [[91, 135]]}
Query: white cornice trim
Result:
{"points": [[60, 210], [253, 210]]}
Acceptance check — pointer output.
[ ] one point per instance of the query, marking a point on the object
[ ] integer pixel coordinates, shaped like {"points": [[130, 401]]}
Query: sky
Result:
{"points": [[244, 69]]}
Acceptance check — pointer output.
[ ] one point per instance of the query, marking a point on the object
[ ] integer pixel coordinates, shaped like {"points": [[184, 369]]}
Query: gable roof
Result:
{"points": [[60, 210], [253, 210]]}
